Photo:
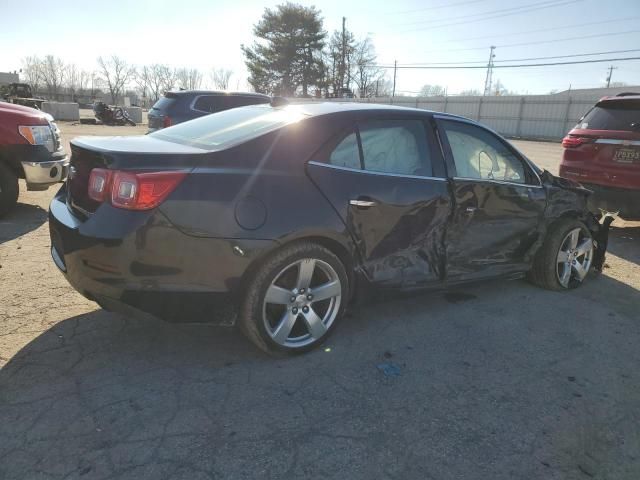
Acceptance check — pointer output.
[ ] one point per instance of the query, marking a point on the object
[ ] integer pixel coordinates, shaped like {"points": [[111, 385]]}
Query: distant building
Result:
{"points": [[7, 77], [599, 92]]}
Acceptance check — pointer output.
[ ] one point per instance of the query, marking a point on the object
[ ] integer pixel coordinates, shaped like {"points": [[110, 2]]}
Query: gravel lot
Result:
{"points": [[496, 381]]}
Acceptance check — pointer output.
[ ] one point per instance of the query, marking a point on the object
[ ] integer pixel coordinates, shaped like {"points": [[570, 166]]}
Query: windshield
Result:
{"points": [[230, 127]]}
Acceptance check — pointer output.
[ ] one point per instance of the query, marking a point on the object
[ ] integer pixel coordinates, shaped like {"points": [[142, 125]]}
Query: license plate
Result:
{"points": [[627, 155]]}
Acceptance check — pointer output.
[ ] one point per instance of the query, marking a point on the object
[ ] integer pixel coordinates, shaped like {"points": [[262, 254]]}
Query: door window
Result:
{"points": [[346, 153], [396, 146], [208, 103], [479, 154]]}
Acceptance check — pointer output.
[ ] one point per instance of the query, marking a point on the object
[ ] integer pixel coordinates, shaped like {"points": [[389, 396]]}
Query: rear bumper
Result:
{"points": [[611, 199], [145, 265]]}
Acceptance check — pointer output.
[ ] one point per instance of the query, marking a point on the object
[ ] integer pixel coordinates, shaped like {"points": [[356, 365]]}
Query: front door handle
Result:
{"points": [[471, 210], [362, 203]]}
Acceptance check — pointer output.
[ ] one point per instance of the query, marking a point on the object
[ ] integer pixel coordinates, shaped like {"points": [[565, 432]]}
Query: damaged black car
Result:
{"points": [[274, 217]]}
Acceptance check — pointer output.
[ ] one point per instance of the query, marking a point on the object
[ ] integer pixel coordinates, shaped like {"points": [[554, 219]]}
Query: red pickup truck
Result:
{"points": [[30, 148]]}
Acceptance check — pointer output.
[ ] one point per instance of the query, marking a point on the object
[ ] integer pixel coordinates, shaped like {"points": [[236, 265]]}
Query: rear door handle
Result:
{"points": [[362, 203]]}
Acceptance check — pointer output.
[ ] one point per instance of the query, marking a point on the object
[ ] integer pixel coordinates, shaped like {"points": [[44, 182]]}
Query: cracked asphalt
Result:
{"points": [[499, 381]]}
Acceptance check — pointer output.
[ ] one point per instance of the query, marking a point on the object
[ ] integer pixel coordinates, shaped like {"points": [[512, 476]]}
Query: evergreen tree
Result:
{"points": [[287, 55]]}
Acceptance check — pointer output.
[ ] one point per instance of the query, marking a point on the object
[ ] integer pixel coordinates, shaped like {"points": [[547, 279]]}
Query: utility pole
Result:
{"points": [[611, 69], [344, 53], [395, 69], [487, 81]]}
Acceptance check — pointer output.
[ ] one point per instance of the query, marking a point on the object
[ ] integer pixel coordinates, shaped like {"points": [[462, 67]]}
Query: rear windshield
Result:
{"points": [[163, 103], [231, 127], [611, 116]]}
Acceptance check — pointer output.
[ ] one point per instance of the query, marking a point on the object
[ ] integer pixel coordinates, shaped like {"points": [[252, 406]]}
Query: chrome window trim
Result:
{"points": [[615, 141], [371, 172], [499, 182]]}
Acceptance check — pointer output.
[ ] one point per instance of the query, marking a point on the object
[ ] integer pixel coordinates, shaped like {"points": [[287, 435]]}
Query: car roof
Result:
{"points": [[188, 93], [621, 98], [326, 108]]}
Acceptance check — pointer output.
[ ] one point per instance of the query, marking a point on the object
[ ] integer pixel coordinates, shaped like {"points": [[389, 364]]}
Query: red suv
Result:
{"points": [[602, 152]]}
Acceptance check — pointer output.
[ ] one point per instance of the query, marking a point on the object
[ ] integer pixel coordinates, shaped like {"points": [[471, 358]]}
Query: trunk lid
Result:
{"points": [[141, 153]]}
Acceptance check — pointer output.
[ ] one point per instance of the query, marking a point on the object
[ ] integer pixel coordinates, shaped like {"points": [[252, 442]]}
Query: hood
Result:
{"points": [[142, 144], [14, 112]]}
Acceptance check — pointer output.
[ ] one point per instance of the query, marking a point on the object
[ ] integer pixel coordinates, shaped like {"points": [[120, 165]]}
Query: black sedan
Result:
{"points": [[273, 217]]}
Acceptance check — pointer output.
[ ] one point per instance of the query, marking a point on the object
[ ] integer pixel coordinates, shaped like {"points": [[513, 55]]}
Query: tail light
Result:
{"points": [[132, 191], [166, 121], [573, 141]]}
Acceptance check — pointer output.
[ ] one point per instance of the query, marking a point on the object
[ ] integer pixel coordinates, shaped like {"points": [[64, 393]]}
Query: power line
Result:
{"points": [[541, 30], [436, 7], [539, 42], [527, 59], [531, 9], [458, 67], [543, 4]]}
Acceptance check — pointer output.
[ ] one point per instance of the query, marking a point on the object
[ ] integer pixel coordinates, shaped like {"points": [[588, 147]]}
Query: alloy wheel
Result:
{"points": [[574, 257], [302, 302]]}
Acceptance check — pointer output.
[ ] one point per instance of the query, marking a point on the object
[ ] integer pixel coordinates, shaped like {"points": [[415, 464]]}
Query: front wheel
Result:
{"points": [[565, 258], [8, 189], [295, 299]]}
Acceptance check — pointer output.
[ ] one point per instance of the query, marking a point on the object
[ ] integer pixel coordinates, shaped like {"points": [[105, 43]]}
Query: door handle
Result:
{"points": [[362, 203], [471, 210]]}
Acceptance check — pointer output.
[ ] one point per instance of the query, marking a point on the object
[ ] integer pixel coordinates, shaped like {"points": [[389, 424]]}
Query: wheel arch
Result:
{"points": [[341, 248]]}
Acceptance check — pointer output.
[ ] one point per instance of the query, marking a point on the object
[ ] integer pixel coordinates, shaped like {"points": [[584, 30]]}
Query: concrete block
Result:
{"points": [[135, 113], [62, 110]]}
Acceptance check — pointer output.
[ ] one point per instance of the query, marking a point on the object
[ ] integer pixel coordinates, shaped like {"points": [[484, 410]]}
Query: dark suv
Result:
{"points": [[178, 107]]}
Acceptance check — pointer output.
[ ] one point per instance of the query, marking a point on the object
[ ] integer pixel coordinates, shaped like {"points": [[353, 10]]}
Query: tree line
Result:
{"points": [[294, 55], [114, 75]]}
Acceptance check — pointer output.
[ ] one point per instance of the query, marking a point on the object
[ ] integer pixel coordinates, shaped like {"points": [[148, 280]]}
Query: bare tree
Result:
{"points": [[72, 80], [32, 71], [189, 79], [432, 91], [53, 71], [116, 73], [365, 71], [220, 78]]}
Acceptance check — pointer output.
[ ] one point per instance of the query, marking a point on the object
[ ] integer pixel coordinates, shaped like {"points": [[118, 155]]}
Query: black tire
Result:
{"points": [[131, 122], [8, 189], [250, 319], [544, 269]]}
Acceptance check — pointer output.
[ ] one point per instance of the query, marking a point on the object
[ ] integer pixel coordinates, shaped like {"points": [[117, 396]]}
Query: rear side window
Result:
{"points": [[234, 101], [346, 153], [209, 103], [396, 146], [616, 115], [230, 127]]}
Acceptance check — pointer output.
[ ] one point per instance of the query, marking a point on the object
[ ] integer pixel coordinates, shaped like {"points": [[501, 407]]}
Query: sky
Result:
{"points": [[208, 33]]}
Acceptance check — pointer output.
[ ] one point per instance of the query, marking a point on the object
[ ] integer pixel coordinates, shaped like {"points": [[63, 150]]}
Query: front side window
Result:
{"points": [[479, 154], [396, 146]]}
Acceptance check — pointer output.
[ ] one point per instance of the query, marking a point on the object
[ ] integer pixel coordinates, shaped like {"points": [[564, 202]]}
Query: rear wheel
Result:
{"points": [[565, 258], [8, 189], [295, 299]]}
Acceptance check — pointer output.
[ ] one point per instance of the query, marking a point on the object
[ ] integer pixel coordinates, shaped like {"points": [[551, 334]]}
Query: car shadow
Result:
{"points": [[624, 241], [22, 219], [492, 372]]}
